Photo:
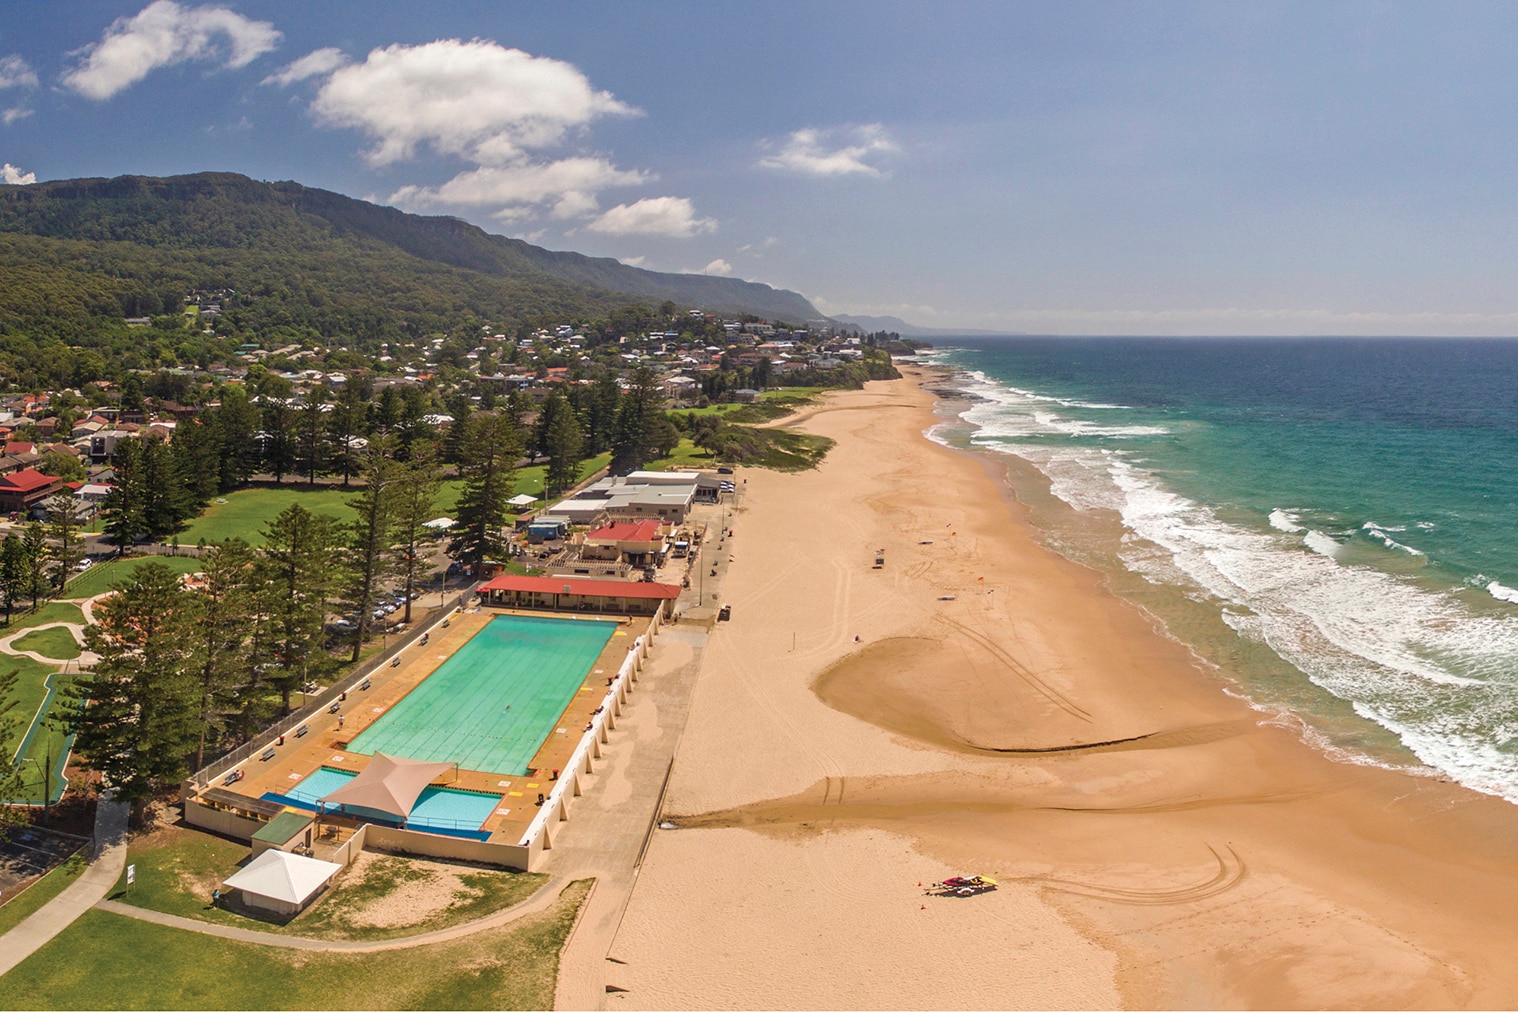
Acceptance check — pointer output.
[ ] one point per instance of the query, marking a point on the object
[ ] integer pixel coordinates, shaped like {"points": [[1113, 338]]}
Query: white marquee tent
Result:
{"points": [[282, 882]]}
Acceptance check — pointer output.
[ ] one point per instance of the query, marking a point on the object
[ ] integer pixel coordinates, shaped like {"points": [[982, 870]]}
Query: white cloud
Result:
{"points": [[568, 187], [13, 176], [634, 261], [313, 64], [718, 266], [15, 73], [476, 99], [674, 217], [816, 152], [14, 113], [162, 34]]}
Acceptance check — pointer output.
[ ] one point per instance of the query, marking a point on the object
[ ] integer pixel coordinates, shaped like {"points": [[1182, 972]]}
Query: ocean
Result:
{"points": [[1328, 523]]}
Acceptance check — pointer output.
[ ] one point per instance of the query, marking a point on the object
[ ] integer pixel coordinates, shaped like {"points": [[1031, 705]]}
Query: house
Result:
{"points": [[640, 543], [26, 489]]}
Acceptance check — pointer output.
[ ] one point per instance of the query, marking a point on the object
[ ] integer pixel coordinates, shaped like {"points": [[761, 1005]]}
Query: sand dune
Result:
{"points": [[1158, 842]]}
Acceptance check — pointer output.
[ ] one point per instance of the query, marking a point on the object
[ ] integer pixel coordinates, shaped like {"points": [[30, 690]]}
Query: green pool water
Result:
{"points": [[491, 705]]}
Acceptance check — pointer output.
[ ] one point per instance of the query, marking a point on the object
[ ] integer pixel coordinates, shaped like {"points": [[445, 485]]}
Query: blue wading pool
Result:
{"points": [[445, 810]]}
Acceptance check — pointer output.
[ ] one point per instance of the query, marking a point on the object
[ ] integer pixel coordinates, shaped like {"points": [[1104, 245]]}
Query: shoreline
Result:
{"points": [[1160, 842]]}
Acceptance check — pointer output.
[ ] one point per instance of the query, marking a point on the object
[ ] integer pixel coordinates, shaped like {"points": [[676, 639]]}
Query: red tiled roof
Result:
{"points": [[582, 587], [27, 480], [643, 530]]}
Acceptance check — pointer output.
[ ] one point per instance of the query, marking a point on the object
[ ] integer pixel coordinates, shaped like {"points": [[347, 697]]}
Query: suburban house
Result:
{"points": [[23, 490]]}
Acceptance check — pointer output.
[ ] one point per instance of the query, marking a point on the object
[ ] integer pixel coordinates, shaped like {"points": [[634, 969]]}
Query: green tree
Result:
{"points": [[300, 572], [142, 719], [279, 439], [34, 551], [236, 423], [559, 436], [490, 453], [224, 630], [415, 504], [58, 464], [65, 517], [13, 572], [636, 438], [312, 448], [370, 557]]}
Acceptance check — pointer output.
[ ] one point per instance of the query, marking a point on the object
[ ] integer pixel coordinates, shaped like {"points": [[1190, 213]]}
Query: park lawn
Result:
{"points": [[178, 868], [54, 882], [56, 642], [686, 454], [99, 961], [47, 744], [53, 611], [102, 576], [245, 513]]}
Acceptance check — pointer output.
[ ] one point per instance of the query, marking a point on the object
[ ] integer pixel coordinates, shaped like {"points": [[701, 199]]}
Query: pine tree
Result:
{"points": [[490, 454], [224, 631], [415, 504], [635, 440], [65, 516], [142, 719], [12, 573], [300, 571], [125, 520], [563, 441], [34, 553], [371, 559]]}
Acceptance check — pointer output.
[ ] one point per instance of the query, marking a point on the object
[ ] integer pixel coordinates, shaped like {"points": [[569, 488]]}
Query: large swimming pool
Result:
{"points": [[438, 810], [491, 705]]}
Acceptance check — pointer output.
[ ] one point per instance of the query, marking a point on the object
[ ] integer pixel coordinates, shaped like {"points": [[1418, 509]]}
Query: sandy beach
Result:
{"points": [[980, 705]]}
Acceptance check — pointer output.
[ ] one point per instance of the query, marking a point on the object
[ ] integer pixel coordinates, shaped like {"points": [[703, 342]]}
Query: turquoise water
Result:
{"points": [[1330, 521], [493, 703], [437, 809]]}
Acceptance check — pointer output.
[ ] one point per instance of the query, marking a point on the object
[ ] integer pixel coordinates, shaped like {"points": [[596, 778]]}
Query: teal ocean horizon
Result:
{"points": [[1327, 522]]}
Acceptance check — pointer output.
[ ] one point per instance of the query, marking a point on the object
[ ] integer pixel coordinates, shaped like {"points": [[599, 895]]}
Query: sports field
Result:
{"points": [[492, 704]]}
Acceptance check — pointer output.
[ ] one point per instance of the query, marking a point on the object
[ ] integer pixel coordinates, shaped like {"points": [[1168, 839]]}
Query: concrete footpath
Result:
{"points": [[90, 888]]}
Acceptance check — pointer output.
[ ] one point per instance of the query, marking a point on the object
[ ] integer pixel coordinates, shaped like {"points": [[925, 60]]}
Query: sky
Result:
{"points": [[1066, 168]]}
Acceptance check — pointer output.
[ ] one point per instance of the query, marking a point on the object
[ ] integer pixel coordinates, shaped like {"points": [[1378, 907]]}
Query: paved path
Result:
{"points": [[86, 659], [538, 902], [90, 888]]}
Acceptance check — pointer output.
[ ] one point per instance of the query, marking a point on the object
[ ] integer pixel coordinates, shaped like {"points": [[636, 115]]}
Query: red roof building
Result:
{"points": [[20, 491], [577, 594]]}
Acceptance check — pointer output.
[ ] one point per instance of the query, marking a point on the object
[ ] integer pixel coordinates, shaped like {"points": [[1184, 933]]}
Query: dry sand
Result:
{"points": [[1159, 843]]}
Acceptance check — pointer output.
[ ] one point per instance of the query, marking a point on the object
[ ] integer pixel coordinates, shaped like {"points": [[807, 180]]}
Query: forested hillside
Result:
{"points": [[72, 250]]}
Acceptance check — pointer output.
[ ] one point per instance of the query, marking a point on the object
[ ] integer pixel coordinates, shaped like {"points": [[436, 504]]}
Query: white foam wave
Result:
{"points": [[1502, 593], [1419, 662], [1281, 520], [1379, 533], [1322, 544]]}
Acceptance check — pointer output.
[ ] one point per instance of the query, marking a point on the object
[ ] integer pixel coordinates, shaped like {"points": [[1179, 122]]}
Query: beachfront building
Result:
{"points": [[578, 594], [639, 544]]}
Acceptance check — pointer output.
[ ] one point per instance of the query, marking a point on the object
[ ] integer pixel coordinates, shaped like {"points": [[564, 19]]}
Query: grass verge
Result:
{"points": [[99, 963], [102, 576], [44, 889], [177, 869]]}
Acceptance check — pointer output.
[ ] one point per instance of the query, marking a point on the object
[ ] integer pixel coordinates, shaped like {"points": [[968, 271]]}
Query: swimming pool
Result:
{"points": [[492, 704], [446, 810]]}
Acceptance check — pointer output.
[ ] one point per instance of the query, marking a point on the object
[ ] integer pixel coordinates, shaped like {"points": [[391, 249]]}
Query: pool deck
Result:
{"points": [[324, 744]]}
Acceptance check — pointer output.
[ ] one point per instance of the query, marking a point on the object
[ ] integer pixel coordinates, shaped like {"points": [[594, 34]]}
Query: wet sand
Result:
{"points": [[1158, 842]]}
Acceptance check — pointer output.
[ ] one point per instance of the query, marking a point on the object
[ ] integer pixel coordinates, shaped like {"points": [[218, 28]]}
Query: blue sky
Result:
{"points": [[1052, 168]]}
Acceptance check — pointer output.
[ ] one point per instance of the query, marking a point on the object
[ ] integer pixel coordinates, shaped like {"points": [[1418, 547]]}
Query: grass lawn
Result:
{"points": [[687, 454], [53, 642], [247, 512], [46, 745], [102, 576], [177, 868], [54, 882], [99, 962], [53, 611]]}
